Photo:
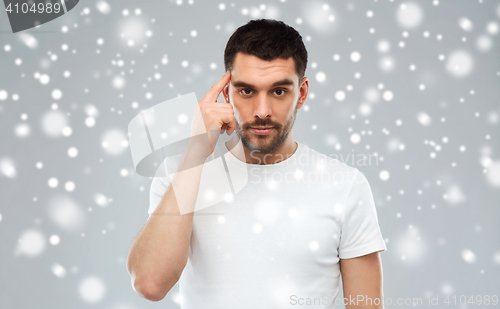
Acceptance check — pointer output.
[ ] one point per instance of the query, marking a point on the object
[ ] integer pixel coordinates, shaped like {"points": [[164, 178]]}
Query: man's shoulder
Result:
{"points": [[168, 166]]}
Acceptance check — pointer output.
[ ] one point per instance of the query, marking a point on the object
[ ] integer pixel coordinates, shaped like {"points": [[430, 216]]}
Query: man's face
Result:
{"points": [[259, 103]]}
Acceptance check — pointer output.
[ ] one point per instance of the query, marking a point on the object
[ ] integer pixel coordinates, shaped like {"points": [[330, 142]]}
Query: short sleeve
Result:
{"points": [[159, 184], [158, 188], [360, 231]]}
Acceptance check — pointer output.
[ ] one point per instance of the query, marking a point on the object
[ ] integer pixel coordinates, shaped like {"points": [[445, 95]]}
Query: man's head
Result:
{"points": [[267, 60]]}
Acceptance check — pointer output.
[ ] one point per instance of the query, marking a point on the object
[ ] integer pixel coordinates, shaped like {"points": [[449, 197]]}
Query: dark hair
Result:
{"points": [[267, 39]]}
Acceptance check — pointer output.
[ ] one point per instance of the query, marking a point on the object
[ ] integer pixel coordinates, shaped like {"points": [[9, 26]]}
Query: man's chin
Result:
{"points": [[261, 145]]}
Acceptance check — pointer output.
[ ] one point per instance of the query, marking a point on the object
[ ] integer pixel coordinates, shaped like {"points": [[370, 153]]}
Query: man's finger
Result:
{"points": [[216, 89]]}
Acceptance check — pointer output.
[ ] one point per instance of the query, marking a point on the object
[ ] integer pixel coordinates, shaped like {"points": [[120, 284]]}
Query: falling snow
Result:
{"points": [[413, 84]]}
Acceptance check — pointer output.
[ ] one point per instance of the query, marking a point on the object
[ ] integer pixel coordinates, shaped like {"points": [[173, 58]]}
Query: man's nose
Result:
{"points": [[263, 108]]}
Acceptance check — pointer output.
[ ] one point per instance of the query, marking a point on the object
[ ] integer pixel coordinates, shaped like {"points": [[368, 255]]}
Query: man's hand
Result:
{"points": [[211, 117]]}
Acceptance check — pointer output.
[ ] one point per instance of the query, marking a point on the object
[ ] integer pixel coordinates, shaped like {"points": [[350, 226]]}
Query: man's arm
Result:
{"points": [[160, 251], [362, 280]]}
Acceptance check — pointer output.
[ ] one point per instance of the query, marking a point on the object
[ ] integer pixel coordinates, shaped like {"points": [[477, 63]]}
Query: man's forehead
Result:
{"points": [[249, 70], [254, 61]]}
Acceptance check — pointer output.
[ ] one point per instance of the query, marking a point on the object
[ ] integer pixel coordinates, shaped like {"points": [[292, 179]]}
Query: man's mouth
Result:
{"points": [[261, 130]]}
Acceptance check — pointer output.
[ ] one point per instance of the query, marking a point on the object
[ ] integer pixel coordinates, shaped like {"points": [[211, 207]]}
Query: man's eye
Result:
{"points": [[282, 91]]}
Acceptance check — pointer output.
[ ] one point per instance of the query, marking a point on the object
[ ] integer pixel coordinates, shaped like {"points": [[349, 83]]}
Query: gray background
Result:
{"points": [[439, 217]]}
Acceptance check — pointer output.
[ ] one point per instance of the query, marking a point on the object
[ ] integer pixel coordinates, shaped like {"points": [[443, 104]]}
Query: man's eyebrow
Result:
{"points": [[283, 82]]}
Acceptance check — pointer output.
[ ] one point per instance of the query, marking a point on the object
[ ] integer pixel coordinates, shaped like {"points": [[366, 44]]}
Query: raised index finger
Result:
{"points": [[216, 89]]}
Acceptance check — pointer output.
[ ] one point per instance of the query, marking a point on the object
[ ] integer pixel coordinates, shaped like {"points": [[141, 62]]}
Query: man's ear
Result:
{"points": [[225, 93]]}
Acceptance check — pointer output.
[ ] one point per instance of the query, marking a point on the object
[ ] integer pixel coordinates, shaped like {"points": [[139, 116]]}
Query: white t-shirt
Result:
{"points": [[278, 242]]}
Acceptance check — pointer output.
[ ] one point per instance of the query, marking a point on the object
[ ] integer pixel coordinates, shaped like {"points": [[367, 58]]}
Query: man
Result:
{"points": [[302, 220]]}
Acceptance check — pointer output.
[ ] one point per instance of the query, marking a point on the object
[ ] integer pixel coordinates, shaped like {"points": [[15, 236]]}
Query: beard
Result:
{"points": [[266, 143]]}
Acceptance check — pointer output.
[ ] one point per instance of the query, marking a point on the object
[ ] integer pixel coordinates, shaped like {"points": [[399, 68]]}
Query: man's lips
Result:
{"points": [[261, 130]]}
